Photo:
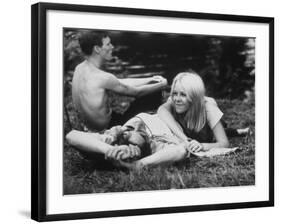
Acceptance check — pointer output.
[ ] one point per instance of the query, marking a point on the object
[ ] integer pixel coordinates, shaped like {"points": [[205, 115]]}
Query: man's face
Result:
{"points": [[134, 137], [105, 50]]}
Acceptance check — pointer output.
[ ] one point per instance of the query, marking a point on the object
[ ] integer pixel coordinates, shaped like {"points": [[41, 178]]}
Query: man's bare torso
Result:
{"points": [[90, 96]]}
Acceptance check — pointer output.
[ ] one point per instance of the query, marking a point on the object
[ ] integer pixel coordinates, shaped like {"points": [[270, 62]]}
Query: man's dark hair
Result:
{"points": [[190, 70], [145, 148], [89, 39]]}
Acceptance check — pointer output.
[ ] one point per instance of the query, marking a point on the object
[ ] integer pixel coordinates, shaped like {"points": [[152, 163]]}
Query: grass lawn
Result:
{"points": [[93, 176]]}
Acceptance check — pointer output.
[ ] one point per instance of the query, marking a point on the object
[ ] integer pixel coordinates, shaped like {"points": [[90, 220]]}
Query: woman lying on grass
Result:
{"points": [[147, 138], [191, 115]]}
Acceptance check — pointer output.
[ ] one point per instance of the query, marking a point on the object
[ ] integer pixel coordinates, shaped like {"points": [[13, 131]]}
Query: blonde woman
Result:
{"points": [[193, 117]]}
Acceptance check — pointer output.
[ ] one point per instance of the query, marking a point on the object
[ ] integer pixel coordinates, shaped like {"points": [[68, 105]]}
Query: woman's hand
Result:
{"points": [[195, 146]]}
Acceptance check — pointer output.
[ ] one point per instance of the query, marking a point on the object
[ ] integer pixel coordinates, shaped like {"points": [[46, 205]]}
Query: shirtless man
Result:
{"points": [[90, 84]]}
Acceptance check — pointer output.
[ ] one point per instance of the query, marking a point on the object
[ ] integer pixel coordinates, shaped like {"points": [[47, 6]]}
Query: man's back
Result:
{"points": [[90, 96]]}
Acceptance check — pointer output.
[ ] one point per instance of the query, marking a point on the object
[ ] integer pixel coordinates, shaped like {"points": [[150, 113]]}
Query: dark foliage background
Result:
{"points": [[226, 64]]}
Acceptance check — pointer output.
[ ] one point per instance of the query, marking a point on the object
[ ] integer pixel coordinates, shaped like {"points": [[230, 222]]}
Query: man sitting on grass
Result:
{"points": [[91, 85]]}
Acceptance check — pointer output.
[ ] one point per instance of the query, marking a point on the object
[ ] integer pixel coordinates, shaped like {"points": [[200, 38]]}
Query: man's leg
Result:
{"points": [[240, 132], [87, 143], [91, 144], [233, 132]]}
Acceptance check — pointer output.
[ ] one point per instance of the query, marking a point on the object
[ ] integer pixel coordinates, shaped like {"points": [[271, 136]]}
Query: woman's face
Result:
{"points": [[180, 99]]}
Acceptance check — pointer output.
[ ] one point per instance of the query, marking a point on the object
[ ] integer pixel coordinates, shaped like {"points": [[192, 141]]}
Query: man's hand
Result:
{"points": [[123, 152], [109, 139], [134, 151], [110, 135], [194, 146], [116, 153], [160, 79], [164, 82]]}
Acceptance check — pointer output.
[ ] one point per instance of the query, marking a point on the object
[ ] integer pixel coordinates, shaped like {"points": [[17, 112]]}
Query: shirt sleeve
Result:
{"points": [[214, 114]]}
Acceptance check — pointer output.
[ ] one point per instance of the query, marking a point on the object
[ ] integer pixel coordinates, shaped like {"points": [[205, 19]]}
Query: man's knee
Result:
{"points": [[70, 137]]}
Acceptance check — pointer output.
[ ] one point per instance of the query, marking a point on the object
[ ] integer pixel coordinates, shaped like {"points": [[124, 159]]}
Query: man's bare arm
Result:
{"points": [[141, 81], [113, 84], [135, 81]]}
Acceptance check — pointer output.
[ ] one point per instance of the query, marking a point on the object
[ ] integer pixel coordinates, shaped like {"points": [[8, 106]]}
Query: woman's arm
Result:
{"points": [[221, 141], [220, 136], [165, 114]]}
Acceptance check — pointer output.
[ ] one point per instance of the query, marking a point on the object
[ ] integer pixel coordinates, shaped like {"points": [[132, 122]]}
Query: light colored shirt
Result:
{"points": [[214, 114]]}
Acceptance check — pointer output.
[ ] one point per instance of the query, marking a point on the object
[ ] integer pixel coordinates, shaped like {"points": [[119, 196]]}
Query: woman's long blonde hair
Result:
{"points": [[195, 117]]}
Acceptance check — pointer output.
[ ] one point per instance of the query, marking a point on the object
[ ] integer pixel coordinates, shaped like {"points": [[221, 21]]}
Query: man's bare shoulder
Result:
{"points": [[94, 76], [79, 67], [85, 69]]}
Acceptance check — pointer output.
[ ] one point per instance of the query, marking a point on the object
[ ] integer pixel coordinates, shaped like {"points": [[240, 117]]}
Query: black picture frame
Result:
{"points": [[40, 122]]}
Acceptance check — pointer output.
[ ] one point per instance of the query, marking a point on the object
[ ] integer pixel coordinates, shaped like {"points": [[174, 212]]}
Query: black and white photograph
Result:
{"points": [[146, 111], [140, 112]]}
